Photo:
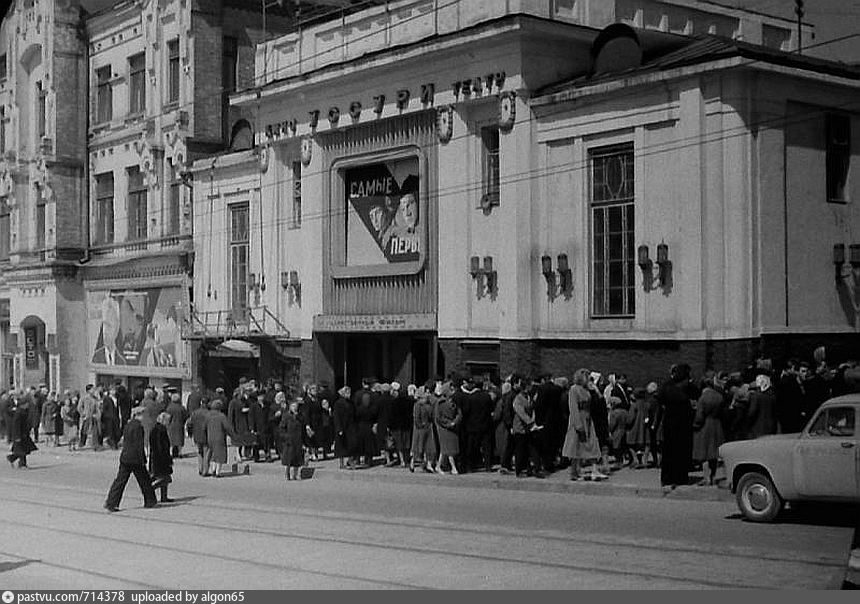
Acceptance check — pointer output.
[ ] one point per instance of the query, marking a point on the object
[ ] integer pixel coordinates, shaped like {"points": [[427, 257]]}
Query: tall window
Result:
{"points": [[613, 253], [137, 83], [239, 244], [2, 130], [40, 109], [171, 219], [173, 71], [104, 208], [297, 194], [229, 79], [40, 221], [5, 231], [104, 95], [490, 164], [838, 156], [136, 205], [2, 67]]}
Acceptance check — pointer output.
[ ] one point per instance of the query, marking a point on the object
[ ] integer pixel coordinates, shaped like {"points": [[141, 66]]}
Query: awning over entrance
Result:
{"points": [[236, 349], [374, 323]]}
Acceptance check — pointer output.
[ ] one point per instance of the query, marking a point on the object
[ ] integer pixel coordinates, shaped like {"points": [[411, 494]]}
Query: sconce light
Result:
{"points": [[489, 274], [290, 282], [642, 258], [485, 276], [838, 260], [565, 275], [664, 266], [854, 255], [546, 267], [252, 281]]}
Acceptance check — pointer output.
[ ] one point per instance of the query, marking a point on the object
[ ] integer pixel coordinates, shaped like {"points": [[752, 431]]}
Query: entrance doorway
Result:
{"points": [[406, 358]]}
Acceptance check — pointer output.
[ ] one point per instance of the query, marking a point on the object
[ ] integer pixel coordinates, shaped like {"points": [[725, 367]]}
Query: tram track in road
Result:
{"points": [[647, 545], [316, 540]]}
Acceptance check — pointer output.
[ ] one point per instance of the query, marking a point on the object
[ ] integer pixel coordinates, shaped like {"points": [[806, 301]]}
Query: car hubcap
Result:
{"points": [[758, 497]]}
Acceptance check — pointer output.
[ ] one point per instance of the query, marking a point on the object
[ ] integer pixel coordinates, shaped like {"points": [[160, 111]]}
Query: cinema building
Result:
{"points": [[428, 193]]}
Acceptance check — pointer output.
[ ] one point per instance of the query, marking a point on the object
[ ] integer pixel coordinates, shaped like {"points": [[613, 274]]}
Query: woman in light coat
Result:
{"points": [[580, 442], [217, 431]]}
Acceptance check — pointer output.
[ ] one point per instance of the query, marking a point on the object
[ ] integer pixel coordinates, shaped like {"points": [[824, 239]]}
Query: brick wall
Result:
{"points": [[208, 48]]}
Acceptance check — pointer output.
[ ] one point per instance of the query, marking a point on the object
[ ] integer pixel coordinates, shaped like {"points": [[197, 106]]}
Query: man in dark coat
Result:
{"points": [[790, 395], [675, 398], [19, 432], [258, 420], [195, 399], [478, 425], [176, 428], [123, 402], [5, 416], [548, 414], [110, 420], [132, 460], [197, 425]]}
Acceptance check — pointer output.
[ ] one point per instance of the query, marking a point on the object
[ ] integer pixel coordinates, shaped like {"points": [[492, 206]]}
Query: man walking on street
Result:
{"points": [[132, 460]]}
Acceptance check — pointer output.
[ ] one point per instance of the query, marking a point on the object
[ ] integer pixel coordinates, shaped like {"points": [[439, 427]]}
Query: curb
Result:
{"points": [[603, 489]]}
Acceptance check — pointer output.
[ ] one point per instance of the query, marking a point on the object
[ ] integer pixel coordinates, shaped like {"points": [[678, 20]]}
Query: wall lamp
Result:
{"points": [[485, 276], [841, 271], [664, 267], [290, 282], [556, 285]]}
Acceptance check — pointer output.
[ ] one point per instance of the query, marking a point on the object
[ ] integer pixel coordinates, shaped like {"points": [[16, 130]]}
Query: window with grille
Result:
{"points": [[137, 83], [490, 165], [137, 202], [5, 229], [239, 248], [297, 194], [173, 71], [612, 221], [838, 156], [104, 96], [171, 222], [104, 208]]}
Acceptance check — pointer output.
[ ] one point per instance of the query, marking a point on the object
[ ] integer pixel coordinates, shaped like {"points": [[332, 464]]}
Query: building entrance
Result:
{"points": [[405, 358]]}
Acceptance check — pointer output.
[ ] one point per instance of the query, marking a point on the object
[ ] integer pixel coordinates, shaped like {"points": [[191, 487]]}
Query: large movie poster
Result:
{"points": [[138, 328], [383, 221]]}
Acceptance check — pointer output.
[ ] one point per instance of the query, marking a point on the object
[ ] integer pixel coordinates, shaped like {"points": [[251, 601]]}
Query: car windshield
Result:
{"points": [[836, 421]]}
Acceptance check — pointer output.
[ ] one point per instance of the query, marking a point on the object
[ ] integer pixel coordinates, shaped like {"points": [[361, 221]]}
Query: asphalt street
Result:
{"points": [[261, 532]]}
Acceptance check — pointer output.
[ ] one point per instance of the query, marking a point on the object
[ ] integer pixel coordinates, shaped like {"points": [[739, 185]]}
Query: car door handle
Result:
{"points": [[847, 445]]}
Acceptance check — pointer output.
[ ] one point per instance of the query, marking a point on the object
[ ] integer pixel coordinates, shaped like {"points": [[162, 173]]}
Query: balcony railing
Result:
{"points": [[233, 323]]}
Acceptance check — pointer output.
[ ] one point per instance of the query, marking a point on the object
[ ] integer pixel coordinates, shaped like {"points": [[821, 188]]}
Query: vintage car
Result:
{"points": [[820, 464]]}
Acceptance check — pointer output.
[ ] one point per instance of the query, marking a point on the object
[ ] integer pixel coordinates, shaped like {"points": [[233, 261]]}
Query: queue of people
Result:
{"points": [[589, 424]]}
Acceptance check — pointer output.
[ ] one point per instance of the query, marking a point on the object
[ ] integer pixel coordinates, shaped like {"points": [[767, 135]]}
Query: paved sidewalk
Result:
{"points": [[626, 482]]}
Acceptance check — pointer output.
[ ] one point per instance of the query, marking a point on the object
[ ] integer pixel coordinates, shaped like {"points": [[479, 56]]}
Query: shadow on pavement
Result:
{"points": [[5, 567], [814, 514]]}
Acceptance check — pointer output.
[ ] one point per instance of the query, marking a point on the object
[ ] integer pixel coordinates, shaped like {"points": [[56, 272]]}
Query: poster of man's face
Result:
{"points": [[383, 213]]}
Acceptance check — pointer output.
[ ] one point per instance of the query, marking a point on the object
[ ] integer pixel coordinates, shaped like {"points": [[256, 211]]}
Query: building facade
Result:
{"points": [[104, 107], [42, 171], [398, 199]]}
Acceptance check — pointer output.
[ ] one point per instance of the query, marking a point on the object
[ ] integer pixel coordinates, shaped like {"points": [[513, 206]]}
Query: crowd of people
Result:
{"points": [[589, 423]]}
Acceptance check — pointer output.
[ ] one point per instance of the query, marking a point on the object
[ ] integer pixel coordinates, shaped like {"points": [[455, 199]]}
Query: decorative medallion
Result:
{"points": [[507, 110], [333, 116], [265, 155], [355, 110], [445, 123], [146, 161], [307, 150]]}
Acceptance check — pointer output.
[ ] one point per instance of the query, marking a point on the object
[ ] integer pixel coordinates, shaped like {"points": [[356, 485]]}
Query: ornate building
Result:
{"points": [[393, 217]]}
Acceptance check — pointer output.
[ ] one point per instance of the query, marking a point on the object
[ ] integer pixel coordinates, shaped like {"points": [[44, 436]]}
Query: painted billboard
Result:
{"points": [[383, 220], [135, 328]]}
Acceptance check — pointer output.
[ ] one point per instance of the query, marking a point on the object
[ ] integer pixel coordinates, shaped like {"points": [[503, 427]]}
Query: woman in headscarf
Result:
{"points": [[761, 418], [71, 417], [217, 430], [580, 442], [292, 455], [365, 439], [448, 418], [160, 460]]}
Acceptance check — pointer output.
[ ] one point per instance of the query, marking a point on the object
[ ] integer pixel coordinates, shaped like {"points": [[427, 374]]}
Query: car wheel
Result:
{"points": [[757, 498]]}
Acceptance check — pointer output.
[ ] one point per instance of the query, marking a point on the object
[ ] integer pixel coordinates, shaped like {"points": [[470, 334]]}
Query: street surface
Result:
{"points": [[261, 532]]}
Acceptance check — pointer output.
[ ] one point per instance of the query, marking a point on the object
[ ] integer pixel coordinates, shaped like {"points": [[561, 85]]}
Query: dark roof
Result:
{"points": [[707, 48]]}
